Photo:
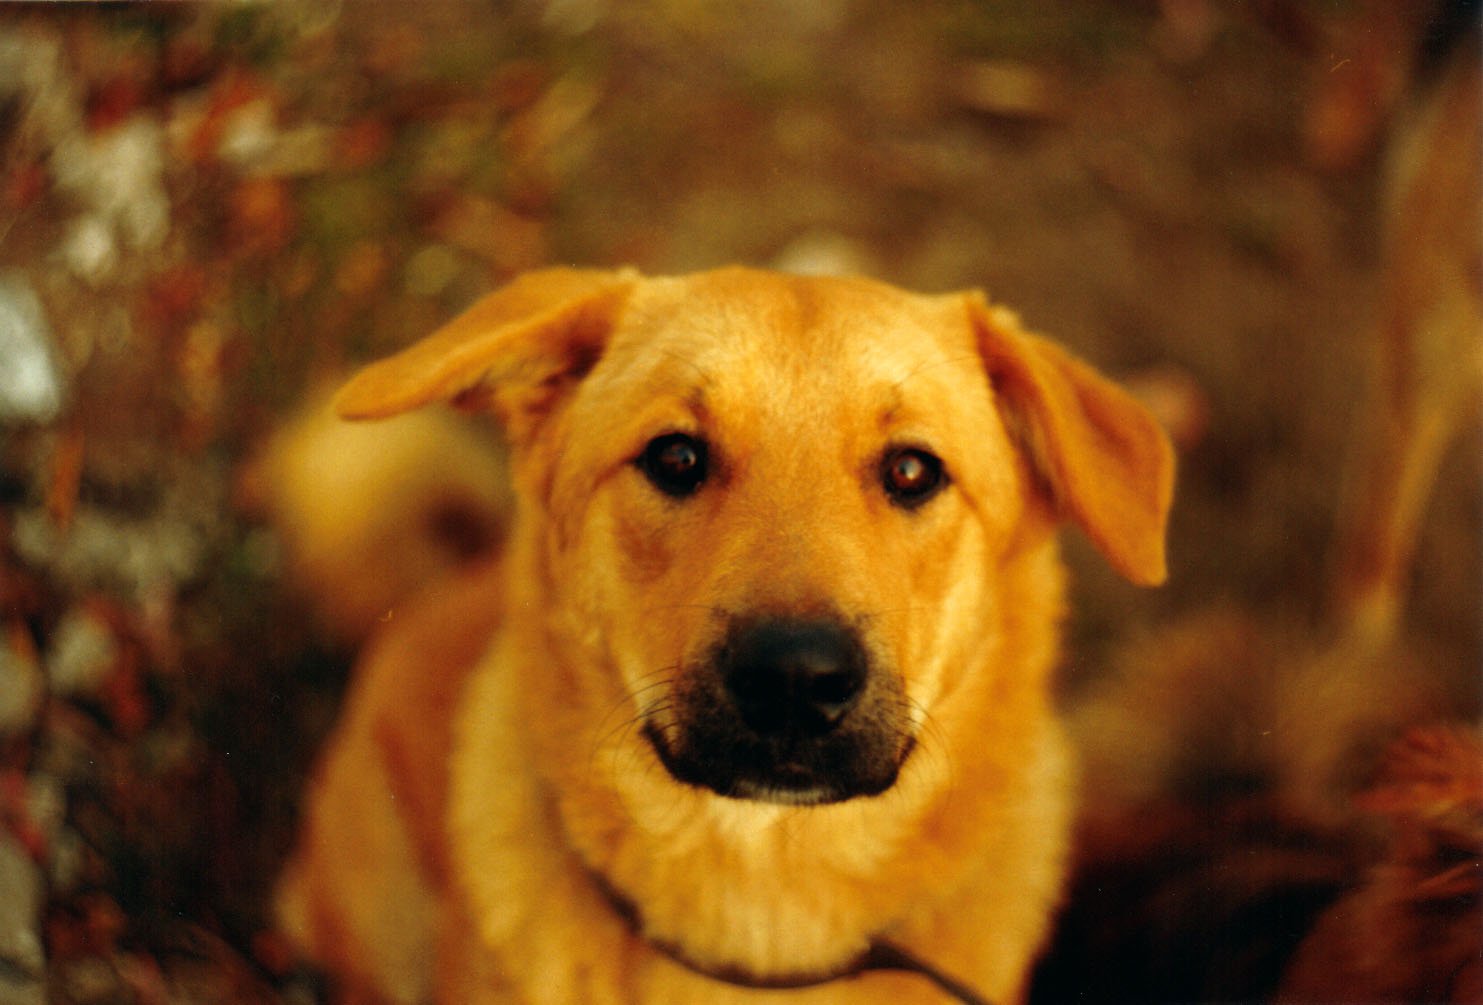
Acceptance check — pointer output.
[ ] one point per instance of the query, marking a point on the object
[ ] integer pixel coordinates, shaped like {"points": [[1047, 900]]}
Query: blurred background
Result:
{"points": [[208, 210]]}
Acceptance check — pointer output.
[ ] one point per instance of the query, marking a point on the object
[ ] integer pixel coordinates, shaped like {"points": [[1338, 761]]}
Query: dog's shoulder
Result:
{"points": [[413, 679]]}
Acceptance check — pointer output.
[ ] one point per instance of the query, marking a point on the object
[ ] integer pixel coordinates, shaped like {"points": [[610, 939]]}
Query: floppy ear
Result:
{"points": [[516, 350], [1102, 460]]}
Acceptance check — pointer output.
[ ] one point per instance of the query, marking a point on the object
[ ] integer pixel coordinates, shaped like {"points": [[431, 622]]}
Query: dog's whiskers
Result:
{"points": [[615, 738], [619, 747], [712, 609], [647, 702], [866, 617], [931, 741]]}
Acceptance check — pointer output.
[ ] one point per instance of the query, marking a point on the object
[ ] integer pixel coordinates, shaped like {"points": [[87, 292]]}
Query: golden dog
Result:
{"points": [[759, 694]]}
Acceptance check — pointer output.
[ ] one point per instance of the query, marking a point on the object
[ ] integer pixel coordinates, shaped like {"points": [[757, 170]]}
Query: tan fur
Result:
{"points": [[609, 594]]}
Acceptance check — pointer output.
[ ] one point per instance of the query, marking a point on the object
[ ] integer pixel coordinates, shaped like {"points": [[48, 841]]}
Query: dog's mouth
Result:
{"points": [[786, 711], [764, 772]]}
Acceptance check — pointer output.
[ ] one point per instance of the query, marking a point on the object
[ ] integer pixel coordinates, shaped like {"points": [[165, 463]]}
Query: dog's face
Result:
{"points": [[771, 509], [787, 526]]}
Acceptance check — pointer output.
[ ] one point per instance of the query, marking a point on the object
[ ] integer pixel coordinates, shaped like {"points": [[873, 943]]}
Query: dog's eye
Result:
{"points": [[675, 463], [911, 476]]}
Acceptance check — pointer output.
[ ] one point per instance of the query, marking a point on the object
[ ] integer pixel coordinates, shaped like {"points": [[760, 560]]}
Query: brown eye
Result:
{"points": [[674, 463], [911, 476]]}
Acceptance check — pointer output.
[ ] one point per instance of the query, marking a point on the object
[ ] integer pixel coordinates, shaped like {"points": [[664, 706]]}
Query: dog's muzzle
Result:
{"points": [[786, 710]]}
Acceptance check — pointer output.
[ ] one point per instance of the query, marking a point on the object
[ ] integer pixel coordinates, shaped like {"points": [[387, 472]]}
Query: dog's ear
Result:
{"points": [[516, 350], [1101, 459]]}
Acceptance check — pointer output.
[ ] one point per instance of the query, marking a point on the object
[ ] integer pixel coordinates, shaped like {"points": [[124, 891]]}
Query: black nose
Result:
{"points": [[793, 677]]}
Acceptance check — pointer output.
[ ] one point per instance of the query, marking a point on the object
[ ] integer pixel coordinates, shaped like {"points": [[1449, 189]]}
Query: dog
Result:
{"points": [[758, 692]]}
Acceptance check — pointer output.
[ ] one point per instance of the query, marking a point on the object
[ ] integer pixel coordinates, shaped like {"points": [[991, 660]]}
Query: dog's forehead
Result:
{"points": [[732, 324]]}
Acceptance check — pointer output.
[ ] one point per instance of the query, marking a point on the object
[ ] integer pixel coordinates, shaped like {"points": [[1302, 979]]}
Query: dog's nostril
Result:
{"points": [[793, 676], [831, 694]]}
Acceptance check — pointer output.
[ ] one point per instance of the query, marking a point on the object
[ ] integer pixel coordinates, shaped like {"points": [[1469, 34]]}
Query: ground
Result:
{"points": [[205, 210]]}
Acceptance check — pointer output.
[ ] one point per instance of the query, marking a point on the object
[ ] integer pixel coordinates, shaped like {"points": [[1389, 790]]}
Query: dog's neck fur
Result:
{"points": [[881, 956]]}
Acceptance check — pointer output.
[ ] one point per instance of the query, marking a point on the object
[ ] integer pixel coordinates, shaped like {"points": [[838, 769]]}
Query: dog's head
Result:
{"points": [[772, 515]]}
